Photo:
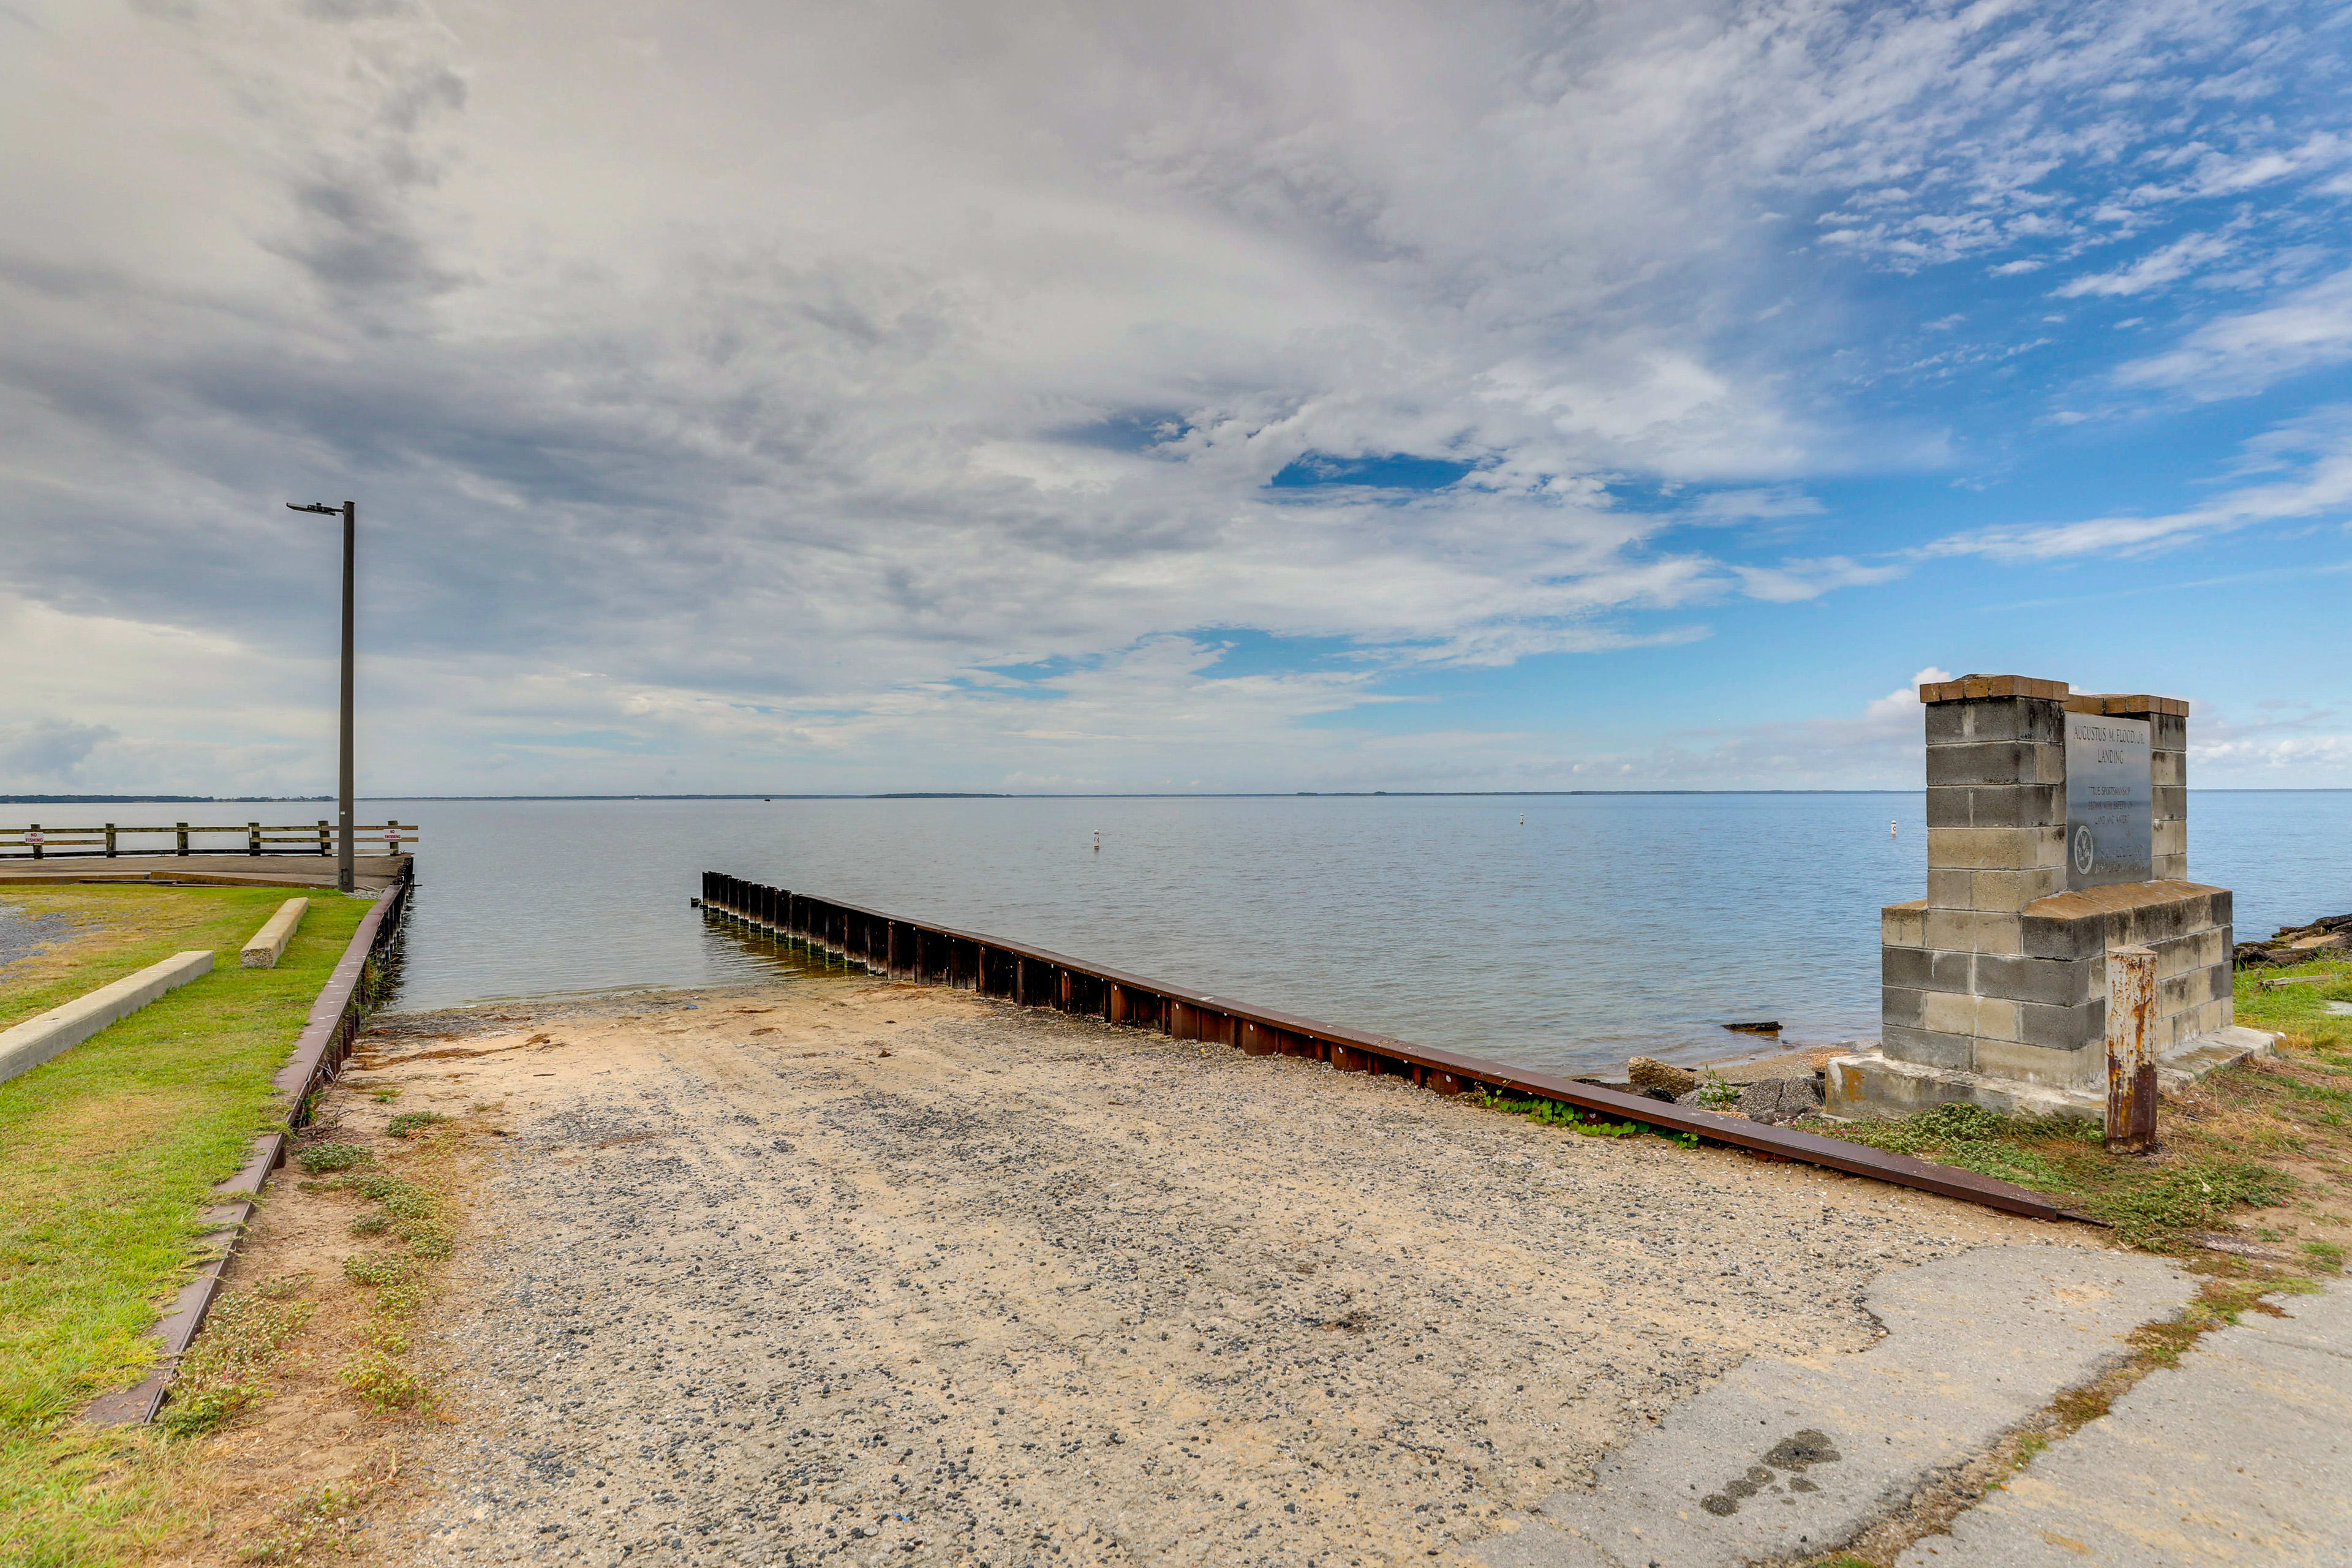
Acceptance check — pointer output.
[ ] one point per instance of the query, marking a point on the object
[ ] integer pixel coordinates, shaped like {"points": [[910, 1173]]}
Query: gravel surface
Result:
{"points": [[842, 1269], [23, 934]]}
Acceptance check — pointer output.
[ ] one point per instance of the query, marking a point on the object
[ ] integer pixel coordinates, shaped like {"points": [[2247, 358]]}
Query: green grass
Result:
{"points": [[1558, 1113], [2301, 1009], [112, 1148]]}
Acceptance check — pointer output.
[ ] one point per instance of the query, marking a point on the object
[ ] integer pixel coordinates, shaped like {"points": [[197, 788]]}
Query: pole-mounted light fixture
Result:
{"points": [[351, 514]]}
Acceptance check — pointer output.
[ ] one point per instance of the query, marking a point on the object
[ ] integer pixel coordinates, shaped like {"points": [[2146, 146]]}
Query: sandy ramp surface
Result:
{"points": [[844, 1269]]}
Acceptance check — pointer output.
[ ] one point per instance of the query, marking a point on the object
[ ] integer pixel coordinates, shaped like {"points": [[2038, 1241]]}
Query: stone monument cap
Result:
{"points": [[1969, 688], [2120, 706]]}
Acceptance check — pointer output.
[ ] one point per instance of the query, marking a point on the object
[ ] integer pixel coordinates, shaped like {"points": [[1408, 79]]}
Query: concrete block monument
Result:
{"points": [[2057, 830]]}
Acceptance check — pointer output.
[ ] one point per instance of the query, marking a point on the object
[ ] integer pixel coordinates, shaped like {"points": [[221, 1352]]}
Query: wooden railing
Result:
{"points": [[35, 842]]}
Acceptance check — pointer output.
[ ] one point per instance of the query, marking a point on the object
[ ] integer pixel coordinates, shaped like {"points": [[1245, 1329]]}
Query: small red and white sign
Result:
{"points": [[33, 835]]}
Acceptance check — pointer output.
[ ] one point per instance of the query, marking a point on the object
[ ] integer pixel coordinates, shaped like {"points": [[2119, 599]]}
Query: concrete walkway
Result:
{"points": [[1788, 1457], [373, 873], [2239, 1454]]}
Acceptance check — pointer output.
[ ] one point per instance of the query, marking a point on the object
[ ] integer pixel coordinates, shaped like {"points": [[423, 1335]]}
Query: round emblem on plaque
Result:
{"points": [[2083, 858]]}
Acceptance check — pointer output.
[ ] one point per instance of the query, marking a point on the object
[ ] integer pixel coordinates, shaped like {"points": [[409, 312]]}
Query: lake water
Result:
{"points": [[1602, 926]]}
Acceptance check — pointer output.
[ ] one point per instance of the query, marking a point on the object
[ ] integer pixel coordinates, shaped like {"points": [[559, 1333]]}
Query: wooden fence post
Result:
{"points": [[33, 837], [253, 838], [183, 839], [109, 841], [2131, 1049]]}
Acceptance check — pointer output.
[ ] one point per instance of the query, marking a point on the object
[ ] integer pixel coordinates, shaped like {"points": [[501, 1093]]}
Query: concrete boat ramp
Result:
{"points": [[2234, 1457]]}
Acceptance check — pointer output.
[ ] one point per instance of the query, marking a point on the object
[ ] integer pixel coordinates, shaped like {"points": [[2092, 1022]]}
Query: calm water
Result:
{"points": [[1606, 925]]}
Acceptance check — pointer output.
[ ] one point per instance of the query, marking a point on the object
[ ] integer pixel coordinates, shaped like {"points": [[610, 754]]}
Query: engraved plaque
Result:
{"points": [[2109, 811]]}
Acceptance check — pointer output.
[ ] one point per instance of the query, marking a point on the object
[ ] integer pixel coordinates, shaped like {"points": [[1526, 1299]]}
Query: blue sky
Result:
{"points": [[1255, 397]]}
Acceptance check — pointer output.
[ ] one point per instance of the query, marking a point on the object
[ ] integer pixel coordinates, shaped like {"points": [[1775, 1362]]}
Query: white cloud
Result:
{"points": [[2167, 264], [1903, 702], [1794, 580], [725, 382], [2240, 353], [1742, 505], [2313, 454]]}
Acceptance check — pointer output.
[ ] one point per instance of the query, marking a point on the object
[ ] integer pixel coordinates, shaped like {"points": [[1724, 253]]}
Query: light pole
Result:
{"points": [[351, 512]]}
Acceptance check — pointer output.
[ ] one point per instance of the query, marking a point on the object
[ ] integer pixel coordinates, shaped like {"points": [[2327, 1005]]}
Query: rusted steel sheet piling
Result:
{"points": [[2131, 1049], [1037, 977]]}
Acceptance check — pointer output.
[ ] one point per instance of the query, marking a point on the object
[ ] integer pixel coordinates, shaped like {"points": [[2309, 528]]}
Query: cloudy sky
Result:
{"points": [[1278, 396]]}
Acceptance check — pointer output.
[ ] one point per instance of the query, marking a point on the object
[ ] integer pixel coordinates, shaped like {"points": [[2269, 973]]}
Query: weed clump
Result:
{"points": [[321, 1158], [410, 1212], [2160, 1214], [223, 1372], [384, 1383], [409, 1122], [1974, 1139], [1717, 1092], [381, 1269], [1557, 1114]]}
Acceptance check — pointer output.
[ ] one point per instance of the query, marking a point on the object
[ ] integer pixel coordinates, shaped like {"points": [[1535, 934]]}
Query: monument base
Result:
{"points": [[1874, 1084]]}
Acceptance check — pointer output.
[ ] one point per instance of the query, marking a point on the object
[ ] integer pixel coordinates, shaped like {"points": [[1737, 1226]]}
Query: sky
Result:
{"points": [[782, 397]]}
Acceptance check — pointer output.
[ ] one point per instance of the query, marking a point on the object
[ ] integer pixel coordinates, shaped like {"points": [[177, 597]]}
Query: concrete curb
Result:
{"points": [[268, 944], [320, 1048], [59, 1029]]}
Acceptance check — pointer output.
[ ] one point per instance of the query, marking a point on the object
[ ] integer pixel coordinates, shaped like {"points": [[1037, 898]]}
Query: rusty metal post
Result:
{"points": [[2131, 1049]]}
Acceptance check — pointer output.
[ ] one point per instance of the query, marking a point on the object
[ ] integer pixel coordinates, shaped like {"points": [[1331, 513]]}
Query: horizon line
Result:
{"points": [[1077, 794]]}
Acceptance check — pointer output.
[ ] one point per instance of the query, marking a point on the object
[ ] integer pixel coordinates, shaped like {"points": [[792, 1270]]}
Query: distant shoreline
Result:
{"points": [[988, 794]]}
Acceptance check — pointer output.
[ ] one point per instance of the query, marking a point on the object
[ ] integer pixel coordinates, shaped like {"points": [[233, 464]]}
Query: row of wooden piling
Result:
{"points": [[1037, 977], [1034, 977]]}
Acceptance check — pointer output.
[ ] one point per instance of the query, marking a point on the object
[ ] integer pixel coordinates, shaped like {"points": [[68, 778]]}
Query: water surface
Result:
{"points": [[1602, 926]]}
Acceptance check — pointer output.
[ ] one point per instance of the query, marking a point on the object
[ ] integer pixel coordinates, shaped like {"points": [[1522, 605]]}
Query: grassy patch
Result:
{"points": [[113, 1149], [2268, 1135], [409, 1122], [109, 932], [323, 1157], [222, 1371], [2156, 1204], [411, 1208], [2301, 1009], [1558, 1113]]}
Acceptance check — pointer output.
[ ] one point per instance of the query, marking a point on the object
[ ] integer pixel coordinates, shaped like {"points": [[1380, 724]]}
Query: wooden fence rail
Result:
{"points": [[1034, 977], [35, 842]]}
